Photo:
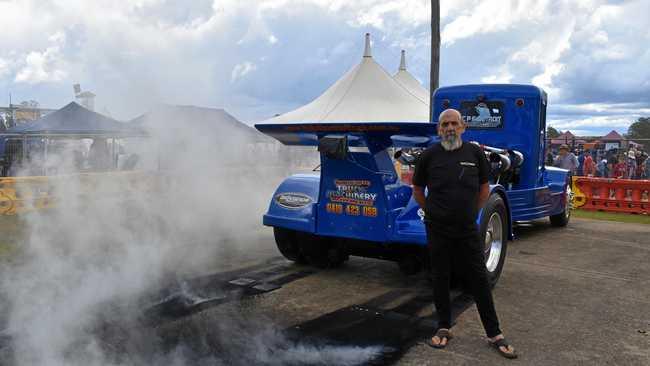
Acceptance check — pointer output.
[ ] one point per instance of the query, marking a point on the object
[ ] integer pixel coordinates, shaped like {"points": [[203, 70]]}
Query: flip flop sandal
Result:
{"points": [[442, 334], [502, 343]]}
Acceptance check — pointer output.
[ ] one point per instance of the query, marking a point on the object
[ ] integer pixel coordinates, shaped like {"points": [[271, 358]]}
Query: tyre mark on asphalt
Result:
{"points": [[394, 330], [619, 242], [583, 272], [190, 296], [195, 295]]}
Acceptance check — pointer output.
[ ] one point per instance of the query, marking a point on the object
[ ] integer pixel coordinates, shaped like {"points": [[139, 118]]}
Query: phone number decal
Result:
{"points": [[352, 198]]}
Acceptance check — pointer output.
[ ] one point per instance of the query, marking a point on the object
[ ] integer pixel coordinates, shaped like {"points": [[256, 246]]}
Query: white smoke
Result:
{"points": [[74, 288]]}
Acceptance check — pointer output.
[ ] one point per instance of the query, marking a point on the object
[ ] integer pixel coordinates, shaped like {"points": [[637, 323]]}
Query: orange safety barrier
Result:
{"points": [[614, 195], [20, 195]]}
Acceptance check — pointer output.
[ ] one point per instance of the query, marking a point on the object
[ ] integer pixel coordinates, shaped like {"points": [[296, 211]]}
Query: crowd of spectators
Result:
{"points": [[615, 163]]}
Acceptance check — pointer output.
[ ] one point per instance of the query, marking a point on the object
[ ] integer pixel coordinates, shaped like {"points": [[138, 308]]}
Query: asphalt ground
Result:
{"points": [[568, 296], [578, 295], [573, 296]]}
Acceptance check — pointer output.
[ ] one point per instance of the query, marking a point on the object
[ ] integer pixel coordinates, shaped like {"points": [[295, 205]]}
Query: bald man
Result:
{"points": [[456, 177]]}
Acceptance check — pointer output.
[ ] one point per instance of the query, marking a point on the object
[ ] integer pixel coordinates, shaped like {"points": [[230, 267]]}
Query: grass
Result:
{"points": [[611, 216], [11, 235], [6, 250]]}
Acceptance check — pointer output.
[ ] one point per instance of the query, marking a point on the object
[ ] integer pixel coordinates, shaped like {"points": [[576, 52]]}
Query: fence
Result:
{"points": [[24, 194], [613, 195]]}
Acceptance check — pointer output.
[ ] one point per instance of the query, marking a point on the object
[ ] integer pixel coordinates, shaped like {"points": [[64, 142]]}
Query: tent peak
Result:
{"points": [[366, 52], [402, 62]]}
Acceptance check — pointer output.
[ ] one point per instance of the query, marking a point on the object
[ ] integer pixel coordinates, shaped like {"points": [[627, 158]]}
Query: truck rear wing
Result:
{"points": [[375, 136]]}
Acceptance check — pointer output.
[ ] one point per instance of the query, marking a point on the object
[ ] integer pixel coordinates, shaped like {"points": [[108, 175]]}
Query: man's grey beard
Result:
{"points": [[451, 142]]}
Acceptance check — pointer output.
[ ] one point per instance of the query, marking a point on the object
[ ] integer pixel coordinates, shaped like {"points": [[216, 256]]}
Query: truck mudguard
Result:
{"points": [[293, 205]]}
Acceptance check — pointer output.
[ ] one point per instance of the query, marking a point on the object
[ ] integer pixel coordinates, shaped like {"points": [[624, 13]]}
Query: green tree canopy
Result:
{"points": [[640, 130], [552, 133]]}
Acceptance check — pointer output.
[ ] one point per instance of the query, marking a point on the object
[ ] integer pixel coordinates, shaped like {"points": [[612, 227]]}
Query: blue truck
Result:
{"points": [[357, 205]]}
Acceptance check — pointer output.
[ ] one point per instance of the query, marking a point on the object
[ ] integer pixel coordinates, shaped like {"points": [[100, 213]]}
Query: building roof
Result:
{"points": [[612, 136], [213, 121], [74, 119], [572, 140], [567, 137], [366, 93]]}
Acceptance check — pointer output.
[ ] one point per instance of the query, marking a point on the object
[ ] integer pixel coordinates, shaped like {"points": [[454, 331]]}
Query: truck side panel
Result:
{"points": [[353, 202]]}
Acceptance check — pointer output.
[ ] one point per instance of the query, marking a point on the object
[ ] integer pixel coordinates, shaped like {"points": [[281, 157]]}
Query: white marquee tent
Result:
{"points": [[366, 93], [409, 82]]}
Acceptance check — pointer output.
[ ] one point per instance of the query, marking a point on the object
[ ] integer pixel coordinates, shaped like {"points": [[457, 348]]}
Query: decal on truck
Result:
{"points": [[352, 197], [292, 200]]}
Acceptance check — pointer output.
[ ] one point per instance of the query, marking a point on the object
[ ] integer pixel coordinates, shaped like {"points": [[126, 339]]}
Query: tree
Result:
{"points": [[640, 130], [552, 133]]}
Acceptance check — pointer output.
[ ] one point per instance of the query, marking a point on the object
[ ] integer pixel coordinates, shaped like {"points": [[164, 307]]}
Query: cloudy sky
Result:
{"points": [[259, 58]]}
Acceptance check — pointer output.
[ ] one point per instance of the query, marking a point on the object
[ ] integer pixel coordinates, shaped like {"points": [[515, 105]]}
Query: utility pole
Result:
{"points": [[435, 53]]}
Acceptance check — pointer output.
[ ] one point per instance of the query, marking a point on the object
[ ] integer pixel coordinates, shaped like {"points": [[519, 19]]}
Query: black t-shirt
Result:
{"points": [[453, 179]]}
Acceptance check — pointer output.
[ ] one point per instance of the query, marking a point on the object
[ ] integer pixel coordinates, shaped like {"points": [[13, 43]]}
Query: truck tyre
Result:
{"points": [[320, 251], [409, 265], [288, 244], [494, 232], [562, 219]]}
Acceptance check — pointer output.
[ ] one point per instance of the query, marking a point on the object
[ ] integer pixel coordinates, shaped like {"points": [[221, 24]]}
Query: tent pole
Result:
{"points": [[435, 54], [158, 153], [45, 142], [22, 158]]}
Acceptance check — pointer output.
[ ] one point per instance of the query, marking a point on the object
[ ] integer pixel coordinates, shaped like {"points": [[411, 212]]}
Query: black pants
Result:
{"points": [[465, 252]]}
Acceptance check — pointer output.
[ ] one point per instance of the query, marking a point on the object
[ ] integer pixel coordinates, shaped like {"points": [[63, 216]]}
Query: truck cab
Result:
{"points": [[512, 117]]}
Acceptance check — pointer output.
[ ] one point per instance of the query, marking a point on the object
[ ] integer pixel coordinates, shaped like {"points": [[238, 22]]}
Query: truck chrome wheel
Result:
{"points": [[562, 219], [569, 203], [494, 233], [493, 241]]}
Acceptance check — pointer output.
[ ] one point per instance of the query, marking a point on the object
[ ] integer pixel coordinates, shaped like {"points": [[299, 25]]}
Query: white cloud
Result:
{"points": [[241, 70], [595, 118], [137, 53], [4, 67], [503, 76], [375, 14], [44, 66], [599, 122], [490, 16], [600, 38], [603, 108], [545, 79]]}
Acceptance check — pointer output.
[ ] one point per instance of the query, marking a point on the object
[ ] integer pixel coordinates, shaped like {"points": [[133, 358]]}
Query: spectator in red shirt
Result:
{"points": [[620, 169], [588, 166]]}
